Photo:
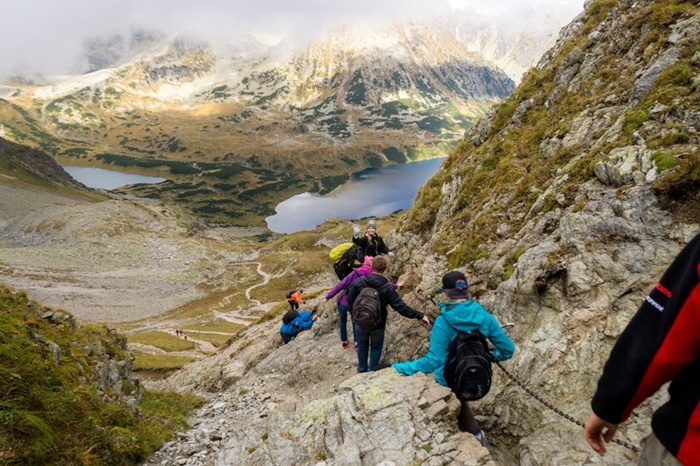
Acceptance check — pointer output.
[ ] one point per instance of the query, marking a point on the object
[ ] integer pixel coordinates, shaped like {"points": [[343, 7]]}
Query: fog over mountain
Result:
{"points": [[53, 33]]}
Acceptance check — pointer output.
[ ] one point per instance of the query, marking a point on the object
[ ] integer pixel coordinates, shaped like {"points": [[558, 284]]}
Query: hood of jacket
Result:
{"points": [[463, 316], [375, 280]]}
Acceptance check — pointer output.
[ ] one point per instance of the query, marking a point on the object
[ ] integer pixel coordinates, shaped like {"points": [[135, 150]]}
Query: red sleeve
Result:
{"points": [[660, 340]]}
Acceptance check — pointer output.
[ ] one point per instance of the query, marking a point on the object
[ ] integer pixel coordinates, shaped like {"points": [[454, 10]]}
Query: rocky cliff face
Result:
{"points": [[563, 208], [595, 146], [22, 161]]}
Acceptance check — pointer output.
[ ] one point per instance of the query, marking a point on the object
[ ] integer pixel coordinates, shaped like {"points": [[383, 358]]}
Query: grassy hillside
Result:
{"points": [[58, 402]]}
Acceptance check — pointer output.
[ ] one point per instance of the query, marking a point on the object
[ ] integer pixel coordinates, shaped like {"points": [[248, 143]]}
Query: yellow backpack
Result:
{"points": [[338, 251]]}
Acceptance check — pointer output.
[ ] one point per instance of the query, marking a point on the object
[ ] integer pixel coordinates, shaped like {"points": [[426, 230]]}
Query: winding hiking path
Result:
{"points": [[201, 346], [225, 302], [266, 280]]}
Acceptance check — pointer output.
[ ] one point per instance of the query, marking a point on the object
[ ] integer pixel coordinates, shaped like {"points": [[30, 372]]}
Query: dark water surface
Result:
{"points": [[371, 192], [100, 178]]}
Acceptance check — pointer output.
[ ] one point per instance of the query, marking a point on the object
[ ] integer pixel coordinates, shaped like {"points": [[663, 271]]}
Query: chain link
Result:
{"points": [[555, 409]]}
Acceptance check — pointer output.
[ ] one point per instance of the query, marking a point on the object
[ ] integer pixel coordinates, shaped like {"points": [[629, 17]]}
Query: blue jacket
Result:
{"points": [[462, 316], [300, 322]]}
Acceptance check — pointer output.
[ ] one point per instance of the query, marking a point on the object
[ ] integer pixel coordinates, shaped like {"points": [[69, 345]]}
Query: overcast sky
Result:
{"points": [[47, 35]]}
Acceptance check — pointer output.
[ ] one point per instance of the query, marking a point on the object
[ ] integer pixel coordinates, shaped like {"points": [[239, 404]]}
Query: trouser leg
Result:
{"points": [[466, 420], [377, 344], [362, 348], [343, 314]]}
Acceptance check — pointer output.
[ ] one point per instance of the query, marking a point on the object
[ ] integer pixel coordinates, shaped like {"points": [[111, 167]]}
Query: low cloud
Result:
{"points": [[48, 36]]}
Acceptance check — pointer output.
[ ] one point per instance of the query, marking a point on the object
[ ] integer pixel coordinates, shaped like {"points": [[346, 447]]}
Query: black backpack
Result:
{"points": [[468, 366], [345, 264], [367, 307], [290, 293], [289, 316]]}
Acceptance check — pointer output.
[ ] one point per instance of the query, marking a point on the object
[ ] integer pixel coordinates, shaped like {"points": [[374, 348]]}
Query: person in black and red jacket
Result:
{"points": [[660, 344]]}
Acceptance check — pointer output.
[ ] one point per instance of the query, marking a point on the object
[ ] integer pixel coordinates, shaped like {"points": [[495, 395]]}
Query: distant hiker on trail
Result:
{"points": [[360, 302], [294, 322], [660, 344], [460, 314], [294, 299], [372, 244]]}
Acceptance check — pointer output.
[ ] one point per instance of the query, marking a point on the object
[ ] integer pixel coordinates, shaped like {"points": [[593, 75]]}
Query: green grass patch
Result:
{"points": [[395, 155], [216, 326], [216, 339], [634, 118], [52, 412], [156, 362], [162, 340], [664, 160]]}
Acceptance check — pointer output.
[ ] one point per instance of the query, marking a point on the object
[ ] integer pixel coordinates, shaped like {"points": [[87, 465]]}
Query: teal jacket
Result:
{"points": [[461, 316]]}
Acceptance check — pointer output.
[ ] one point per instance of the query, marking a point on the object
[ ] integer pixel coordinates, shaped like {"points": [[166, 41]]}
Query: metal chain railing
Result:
{"points": [[530, 392]]}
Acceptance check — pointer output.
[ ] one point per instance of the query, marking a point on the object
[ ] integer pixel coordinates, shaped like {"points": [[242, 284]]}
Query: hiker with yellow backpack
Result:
{"points": [[346, 257], [340, 289]]}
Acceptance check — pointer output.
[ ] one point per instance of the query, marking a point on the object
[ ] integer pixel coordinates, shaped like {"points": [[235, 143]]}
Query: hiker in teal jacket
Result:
{"points": [[464, 314]]}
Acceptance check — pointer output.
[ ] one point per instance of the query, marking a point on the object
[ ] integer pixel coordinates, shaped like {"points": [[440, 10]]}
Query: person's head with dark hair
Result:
{"points": [[380, 264]]}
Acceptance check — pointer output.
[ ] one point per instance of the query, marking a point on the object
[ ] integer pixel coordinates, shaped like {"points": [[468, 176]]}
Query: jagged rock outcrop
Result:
{"points": [[380, 418], [569, 266]]}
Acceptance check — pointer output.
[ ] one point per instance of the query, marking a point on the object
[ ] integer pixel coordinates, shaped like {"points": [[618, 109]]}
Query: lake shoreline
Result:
{"points": [[372, 192]]}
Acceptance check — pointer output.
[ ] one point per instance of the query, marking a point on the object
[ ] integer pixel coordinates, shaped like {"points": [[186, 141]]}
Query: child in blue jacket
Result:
{"points": [[301, 322], [463, 314]]}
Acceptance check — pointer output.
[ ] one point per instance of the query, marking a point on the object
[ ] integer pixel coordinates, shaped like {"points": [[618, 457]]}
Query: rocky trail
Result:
{"points": [[310, 391]]}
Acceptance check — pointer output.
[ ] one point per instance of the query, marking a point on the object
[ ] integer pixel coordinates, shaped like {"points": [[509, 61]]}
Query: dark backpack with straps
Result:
{"points": [[289, 316], [367, 307], [468, 366]]}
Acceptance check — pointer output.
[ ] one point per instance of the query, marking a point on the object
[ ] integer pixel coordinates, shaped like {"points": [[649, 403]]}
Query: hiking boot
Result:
{"points": [[345, 345], [481, 437]]}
